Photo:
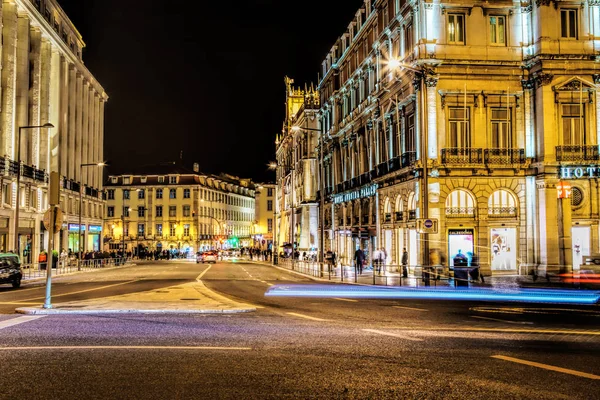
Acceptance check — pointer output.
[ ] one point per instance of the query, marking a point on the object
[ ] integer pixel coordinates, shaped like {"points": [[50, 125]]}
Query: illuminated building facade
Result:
{"points": [[264, 215], [448, 126], [297, 169], [44, 80], [170, 207]]}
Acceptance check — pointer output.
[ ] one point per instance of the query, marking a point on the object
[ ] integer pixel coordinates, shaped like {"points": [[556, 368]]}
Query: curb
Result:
{"points": [[57, 311]]}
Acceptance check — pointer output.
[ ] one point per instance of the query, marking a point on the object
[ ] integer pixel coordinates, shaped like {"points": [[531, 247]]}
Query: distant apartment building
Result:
{"points": [[461, 126], [264, 219], [44, 81], [170, 207]]}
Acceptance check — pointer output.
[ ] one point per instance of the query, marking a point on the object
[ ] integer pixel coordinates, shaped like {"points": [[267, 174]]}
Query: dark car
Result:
{"points": [[10, 269]]}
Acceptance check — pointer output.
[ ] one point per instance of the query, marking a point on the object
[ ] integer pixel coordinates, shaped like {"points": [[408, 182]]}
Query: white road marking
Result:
{"points": [[19, 320], [548, 367], [202, 274], [411, 308], [307, 317], [125, 348], [350, 300], [393, 335], [503, 320], [82, 291]]}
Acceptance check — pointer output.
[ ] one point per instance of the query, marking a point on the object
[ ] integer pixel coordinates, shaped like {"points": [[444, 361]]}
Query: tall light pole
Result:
{"points": [[321, 189], [18, 194], [274, 247], [81, 167]]}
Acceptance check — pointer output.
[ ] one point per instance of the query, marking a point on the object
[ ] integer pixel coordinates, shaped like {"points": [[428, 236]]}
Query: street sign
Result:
{"points": [[427, 225], [58, 220]]}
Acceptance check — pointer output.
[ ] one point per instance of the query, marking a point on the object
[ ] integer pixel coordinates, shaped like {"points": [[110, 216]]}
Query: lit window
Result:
{"points": [[159, 210], [568, 24], [172, 211], [111, 194], [141, 194], [498, 30], [456, 29], [172, 179], [458, 129], [159, 193], [501, 128], [573, 124], [186, 230], [172, 193], [186, 193]]}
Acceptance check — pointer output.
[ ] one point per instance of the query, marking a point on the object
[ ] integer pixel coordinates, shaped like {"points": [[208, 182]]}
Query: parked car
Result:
{"points": [[209, 256], [10, 269]]}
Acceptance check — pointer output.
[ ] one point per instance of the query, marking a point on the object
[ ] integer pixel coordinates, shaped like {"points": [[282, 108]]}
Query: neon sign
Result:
{"points": [[579, 172], [365, 191]]}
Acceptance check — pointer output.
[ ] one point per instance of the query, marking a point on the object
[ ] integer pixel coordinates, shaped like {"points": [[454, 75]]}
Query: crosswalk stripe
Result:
{"points": [[307, 317], [19, 320], [393, 335]]}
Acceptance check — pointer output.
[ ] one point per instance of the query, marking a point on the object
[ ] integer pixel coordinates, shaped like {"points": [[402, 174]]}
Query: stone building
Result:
{"points": [[170, 207], [450, 126], [44, 80], [297, 168], [264, 216]]}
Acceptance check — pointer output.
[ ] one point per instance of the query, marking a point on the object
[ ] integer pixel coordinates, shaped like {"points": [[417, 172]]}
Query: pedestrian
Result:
{"points": [[476, 269], [43, 259], [376, 261], [383, 259], [359, 259], [405, 263]]}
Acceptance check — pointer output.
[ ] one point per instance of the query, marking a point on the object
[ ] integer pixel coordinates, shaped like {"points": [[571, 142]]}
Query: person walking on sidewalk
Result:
{"points": [[405, 263], [376, 261], [359, 259], [382, 260]]}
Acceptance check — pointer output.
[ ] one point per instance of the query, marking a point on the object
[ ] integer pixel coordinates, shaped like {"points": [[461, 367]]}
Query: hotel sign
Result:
{"points": [[365, 191], [579, 172]]}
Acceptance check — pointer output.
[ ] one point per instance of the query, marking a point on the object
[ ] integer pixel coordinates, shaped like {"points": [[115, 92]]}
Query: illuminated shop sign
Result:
{"points": [[579, 172], [365, 191], [95, 229], [73, 227]]}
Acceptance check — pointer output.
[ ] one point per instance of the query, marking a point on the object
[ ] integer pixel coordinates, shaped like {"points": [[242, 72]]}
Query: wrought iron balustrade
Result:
{"points": [[460, 211], [500, 212], [462, 155], [577, 153], [408, 158], [504, 156]]}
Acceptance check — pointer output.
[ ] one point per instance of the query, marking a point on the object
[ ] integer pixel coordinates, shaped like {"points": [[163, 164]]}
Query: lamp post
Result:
{"points": [[321, 189], [420, 75], [18, 197], [81, 167], [274, 247]]}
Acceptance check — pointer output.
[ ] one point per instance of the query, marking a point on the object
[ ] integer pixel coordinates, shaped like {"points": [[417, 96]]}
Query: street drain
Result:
{"points": [[189, 299]]}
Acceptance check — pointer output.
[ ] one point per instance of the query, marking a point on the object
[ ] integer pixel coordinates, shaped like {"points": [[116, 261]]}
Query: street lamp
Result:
{"points": [[321, 189], [18, 197], [81, 167]]}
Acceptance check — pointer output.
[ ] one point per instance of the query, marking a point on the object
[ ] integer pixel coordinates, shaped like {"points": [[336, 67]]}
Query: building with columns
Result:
{"points": [[455, 126], [44, 80], [171, 207], [297, 216]]}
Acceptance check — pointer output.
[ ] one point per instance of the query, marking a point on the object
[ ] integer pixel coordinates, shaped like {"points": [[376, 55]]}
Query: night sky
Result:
{"points": [[202, 77]]}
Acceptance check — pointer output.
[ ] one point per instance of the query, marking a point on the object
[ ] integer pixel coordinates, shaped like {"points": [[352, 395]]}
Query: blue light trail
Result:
{"points": [[554, 296]]}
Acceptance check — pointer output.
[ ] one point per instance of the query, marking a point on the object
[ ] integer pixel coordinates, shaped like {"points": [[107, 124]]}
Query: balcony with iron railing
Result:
{"points": [[504, 156], [462, 155], [577, 153], [412, 215], [460, 212], [502, 212]]}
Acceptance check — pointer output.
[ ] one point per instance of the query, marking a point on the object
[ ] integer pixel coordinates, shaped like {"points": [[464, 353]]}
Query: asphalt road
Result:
{"points": [[293, 348]]}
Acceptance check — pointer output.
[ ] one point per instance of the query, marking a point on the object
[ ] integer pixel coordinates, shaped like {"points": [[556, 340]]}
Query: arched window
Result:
{"points": [[412, 206], [460, 203], [399, 209], [502, 203], [387, 210]]}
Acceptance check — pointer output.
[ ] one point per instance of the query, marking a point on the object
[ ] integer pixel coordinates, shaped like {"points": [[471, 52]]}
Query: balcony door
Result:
{"points": [[573, 126], [458, 127], [501, 129]]}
